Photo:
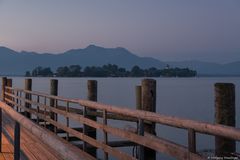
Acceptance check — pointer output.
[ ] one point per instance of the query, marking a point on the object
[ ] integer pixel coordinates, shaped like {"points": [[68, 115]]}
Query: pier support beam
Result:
{"points": [[225, 115], [149, 104], [90, 131], [28, 86], [53, 102]]}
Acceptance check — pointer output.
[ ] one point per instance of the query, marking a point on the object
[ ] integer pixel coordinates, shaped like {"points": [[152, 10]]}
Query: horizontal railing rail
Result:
{"points": [[201, 127]]}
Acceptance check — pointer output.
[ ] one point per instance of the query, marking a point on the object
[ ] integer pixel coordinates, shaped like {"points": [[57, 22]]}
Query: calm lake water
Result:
{"points": [[191, 98]]}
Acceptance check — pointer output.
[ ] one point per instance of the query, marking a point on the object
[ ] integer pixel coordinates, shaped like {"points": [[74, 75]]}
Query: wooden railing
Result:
{"points": [[15, 140], [42, 110], [38, 105]]}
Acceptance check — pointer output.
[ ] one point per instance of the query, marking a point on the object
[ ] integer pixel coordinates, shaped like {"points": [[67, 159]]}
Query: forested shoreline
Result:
{"points": [[109, 70]]}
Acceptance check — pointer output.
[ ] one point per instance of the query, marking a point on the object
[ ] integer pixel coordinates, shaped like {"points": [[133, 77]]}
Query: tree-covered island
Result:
{"points": [[110, 70]]}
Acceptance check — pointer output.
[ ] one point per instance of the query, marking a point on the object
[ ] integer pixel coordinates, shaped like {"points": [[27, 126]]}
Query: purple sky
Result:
{"points": [[172, 30]]}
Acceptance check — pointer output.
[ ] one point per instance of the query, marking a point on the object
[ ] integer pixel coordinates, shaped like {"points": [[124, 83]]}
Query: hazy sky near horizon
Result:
{"points": [[169, 30]]}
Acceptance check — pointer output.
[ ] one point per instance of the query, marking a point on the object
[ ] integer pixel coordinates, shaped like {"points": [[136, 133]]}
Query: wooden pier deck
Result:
{"points": [[33, 130], [29, 146], [7, 149]]}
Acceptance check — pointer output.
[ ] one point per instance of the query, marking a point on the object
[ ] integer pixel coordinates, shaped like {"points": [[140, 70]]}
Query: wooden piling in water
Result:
{"points": [[90, 131], [9, 84], [138, 90], [149, 104], [53, 102], [192, 141], [28, 86], [225, 115], [4, 84]]}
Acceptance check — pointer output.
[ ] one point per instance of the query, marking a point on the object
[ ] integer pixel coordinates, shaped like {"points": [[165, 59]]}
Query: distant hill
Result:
{"points": [[17, 63]]}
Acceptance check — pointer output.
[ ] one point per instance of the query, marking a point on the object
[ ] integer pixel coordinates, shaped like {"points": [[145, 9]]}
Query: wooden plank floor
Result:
{"points": [[31, 147], [7, 149]]}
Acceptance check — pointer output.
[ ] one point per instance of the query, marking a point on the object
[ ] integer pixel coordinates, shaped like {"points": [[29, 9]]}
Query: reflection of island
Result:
{"points": [[110, 70]]}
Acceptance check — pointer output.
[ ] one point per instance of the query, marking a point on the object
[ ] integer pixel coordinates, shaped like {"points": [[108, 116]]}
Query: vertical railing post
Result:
{"points": [[140, 126], [192, 140], [17, 141], [90, 131], [45, 112], [28, 87], [67, 121], [38, 109], [17, 101], [140, 132], [84, 129], [149, 104], [105, 134], [4, 84], [53, 102], [225, 115]]}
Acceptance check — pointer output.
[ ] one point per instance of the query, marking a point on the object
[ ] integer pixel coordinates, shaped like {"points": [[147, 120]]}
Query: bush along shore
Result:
{"points": [[109, 70]]}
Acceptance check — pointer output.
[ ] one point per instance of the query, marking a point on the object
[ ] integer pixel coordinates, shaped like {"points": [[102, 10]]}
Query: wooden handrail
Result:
{"points": [[149, 141], [146, 140], [152, 142], [202, 127], [66, 150]]}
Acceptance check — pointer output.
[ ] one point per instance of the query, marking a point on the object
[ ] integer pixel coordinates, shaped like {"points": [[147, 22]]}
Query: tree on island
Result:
{"points": [[111, 70], [42, 72], [137, 72], [71, 71], [27, 74]]}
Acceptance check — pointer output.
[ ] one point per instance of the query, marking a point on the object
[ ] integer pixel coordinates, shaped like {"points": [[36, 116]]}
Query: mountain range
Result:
{"points": [[17, 63]]}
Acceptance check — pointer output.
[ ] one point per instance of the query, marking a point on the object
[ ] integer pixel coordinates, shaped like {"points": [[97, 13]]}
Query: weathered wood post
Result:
{"points": [[4, 84], [9, 84], [89, 131], [225, 115], [149, 104], [192, 141], [138, 90], [53, 102], [28, 87]]}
